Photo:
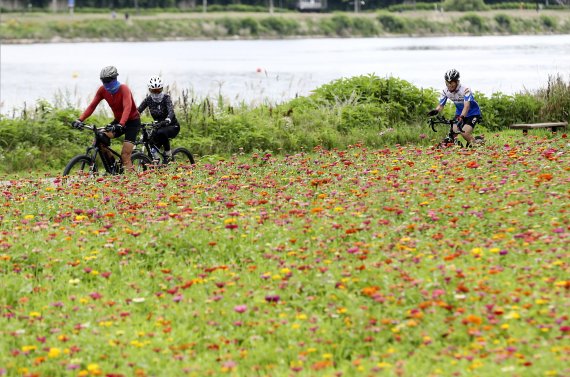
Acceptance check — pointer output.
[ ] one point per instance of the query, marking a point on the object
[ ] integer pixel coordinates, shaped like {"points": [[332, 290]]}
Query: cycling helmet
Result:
{"points": [[109, 72], [451, 75], [155, 82]]}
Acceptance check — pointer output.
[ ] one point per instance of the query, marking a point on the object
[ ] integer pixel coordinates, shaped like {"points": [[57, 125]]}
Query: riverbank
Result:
{"points": [[46, 28]]}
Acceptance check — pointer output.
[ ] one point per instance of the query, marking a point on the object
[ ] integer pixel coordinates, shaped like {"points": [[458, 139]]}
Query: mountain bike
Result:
{"points": [[86, 165], [451, 139], [147, 146]]}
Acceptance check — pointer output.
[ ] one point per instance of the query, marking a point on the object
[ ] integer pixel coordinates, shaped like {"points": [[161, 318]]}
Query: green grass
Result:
{"points": [[402, 260]]}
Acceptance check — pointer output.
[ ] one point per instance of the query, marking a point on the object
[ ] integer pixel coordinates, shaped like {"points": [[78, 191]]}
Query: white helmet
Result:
{"points": [[155, 82], [451, 75]]}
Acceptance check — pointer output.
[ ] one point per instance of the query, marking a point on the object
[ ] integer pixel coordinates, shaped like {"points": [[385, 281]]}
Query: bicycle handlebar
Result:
{"points": [[439, 119]]}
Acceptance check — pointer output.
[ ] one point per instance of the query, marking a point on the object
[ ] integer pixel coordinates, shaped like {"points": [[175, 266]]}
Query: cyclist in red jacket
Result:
{"points": [[127, 118]]}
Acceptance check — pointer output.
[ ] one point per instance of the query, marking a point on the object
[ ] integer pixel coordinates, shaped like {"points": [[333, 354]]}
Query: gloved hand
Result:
{"points": [[460, 122], [114, 128], [77, 124], [432, 113], [163, 123]]}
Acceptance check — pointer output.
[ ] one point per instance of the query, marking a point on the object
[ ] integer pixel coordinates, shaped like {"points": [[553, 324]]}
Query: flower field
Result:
{"points": [[404, 261]]}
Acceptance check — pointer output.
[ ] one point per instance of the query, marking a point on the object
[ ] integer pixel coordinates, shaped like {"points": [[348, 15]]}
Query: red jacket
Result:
{"points": [[122, 104]]}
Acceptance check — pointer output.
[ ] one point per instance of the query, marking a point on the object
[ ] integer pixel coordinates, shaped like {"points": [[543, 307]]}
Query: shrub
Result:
{"points": [[548, 22], [280, 26], [392, 24], [504, 22], [464, 5], [412, 7], [473, 23]]}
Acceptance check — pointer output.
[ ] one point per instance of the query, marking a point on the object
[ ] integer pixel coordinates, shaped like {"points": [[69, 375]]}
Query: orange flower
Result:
{"points": [[370, 291], [472, 319], [321, 365]]}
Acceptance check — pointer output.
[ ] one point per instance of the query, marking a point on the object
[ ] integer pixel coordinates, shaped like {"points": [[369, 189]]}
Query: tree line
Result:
{"points": [[288, 4]]}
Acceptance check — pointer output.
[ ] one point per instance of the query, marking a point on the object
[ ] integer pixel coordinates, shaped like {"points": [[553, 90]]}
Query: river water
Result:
{"points": [[276, 70]]}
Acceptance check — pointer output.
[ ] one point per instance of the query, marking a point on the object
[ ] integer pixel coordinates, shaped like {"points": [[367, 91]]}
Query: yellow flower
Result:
{"points": [[35, 314], [513, 315], [54, 352], [28, 348]]}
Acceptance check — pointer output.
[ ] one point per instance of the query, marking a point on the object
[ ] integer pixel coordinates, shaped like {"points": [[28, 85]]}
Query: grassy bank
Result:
{"points": [[369, 110], [402, 261], [17, 28]]}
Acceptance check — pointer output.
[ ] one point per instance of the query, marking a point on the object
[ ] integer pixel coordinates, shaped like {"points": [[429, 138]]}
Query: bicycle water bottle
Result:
{"points": [[155, 155]]}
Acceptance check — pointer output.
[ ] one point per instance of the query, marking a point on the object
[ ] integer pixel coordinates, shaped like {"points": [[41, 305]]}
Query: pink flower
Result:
{"points": [[240, 308], [95, 295], [437, 292], [272, 298]]}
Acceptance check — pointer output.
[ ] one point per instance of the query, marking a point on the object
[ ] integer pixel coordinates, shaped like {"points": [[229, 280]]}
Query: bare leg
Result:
{"points": [[126, 153], [108, 154], [467, 133]]}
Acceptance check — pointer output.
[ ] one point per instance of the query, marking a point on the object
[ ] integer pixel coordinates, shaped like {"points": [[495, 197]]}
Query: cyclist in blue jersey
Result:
{"points": [[467, 111]]}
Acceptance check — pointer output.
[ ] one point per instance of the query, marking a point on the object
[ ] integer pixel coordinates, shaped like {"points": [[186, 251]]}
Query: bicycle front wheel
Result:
{"points": [[81, 166], [182, 156], [141, 162]]}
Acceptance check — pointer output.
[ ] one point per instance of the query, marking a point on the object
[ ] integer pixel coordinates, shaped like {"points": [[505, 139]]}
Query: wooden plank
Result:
{"points": [[539, 125]]}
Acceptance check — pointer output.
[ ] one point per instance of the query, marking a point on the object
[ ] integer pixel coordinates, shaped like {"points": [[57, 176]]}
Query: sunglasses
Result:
{"points": [[107, 80], [155, 91]]}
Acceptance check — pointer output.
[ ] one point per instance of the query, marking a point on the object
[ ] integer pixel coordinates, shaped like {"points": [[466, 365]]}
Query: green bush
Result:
{"points": [[504, 22], [501, 110], [464, 5], [412, 7], [549, 23], [513, 5], [365, 27], [473, 24], [393, 24], [280, 25]]}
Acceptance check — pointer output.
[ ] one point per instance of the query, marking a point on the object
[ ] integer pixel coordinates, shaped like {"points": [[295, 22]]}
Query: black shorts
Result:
{"points": [[472, 120], [130, 130]]}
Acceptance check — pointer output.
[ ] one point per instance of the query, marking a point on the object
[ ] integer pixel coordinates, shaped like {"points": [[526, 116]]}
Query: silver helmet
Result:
{"points": [[451, 75], [109, 72]]}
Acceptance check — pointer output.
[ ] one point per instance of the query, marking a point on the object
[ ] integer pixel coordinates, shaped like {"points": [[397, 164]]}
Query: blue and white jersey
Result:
{"points": [[458, 97]]}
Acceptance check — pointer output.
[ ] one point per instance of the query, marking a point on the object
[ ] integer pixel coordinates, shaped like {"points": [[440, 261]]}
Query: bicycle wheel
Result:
{"points": [[141, 161], [81, 166], [182, 156]]}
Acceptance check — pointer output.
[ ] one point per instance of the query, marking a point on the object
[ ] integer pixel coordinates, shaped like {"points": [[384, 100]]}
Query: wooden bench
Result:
{"points": [[525, 127]]}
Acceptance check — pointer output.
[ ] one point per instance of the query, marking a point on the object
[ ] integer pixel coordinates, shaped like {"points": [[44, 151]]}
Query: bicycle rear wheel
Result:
{"points": [[141, 162], [182, 156], [81, 166]]}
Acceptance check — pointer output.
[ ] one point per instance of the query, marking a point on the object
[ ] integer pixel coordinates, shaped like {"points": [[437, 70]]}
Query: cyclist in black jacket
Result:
{"points": [[162, 111]]}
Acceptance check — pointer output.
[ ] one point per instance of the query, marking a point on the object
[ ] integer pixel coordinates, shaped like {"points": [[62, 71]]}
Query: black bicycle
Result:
{"points": [[86, 165], [146, 146], [451, 138]]}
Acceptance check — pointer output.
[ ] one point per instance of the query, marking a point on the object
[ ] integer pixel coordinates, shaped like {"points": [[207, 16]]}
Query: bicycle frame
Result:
{"points": [[98, 148], [147, 129]]}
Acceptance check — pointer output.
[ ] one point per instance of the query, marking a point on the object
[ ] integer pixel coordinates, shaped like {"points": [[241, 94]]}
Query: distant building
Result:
{"points": [[311, 5]]}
